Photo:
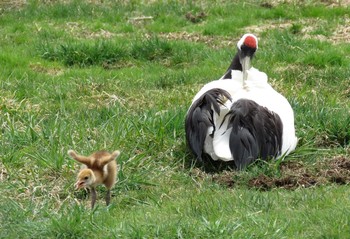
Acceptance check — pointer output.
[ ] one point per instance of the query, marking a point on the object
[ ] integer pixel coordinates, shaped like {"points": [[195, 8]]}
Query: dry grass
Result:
{"points": [[11, 4], [329, 3], [3, 172], [79, 30], [342, 33], [51, 71], [212, 41]]}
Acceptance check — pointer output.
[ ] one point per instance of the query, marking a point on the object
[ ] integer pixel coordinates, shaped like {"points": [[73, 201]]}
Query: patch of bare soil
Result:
{"points": [[293, 175], [338, 171], [225, 178], [264, 182]]}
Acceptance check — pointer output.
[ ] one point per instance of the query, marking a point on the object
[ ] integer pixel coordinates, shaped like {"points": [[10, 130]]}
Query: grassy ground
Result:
{"points": [[89, 75]]}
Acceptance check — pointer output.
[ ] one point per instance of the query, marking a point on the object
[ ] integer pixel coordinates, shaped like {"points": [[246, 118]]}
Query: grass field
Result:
{"points": [[91, 75]]}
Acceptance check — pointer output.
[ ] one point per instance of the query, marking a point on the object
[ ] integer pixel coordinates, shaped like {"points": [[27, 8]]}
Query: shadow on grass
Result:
{"points": [[207, 165]]}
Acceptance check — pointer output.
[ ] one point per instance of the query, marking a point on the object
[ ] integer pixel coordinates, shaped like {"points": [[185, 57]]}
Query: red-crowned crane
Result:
{"points": [[240, 117]]}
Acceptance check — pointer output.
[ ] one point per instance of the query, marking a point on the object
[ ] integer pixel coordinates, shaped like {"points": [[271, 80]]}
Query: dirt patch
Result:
{"points": [[195, 18], [224, 179], [292, 175], [264, 182], [338, 171]]}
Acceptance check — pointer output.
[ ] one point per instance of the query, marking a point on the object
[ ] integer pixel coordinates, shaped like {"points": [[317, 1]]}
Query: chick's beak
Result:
{"points": [[79, 185]]}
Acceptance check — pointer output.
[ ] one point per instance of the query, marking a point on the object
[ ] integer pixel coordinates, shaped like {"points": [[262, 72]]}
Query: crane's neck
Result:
{"points": [[235, 65]]}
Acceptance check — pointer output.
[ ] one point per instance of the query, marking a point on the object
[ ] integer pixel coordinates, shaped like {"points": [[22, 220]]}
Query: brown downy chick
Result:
{"points": [[101, 168]]}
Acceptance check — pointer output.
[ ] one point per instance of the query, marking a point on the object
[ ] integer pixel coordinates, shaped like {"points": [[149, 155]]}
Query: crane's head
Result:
{"points": [[247, 47], [85, 178]]}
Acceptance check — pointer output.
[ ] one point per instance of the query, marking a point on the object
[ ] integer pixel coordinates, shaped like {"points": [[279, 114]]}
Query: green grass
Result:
{"points": [[84, 75]]}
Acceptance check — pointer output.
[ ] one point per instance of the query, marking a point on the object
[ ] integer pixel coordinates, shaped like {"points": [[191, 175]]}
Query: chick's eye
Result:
{"points": [[86, 177]]}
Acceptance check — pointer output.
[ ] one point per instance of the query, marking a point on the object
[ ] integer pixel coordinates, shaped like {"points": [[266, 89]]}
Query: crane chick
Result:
{"points": [[100, 168]]}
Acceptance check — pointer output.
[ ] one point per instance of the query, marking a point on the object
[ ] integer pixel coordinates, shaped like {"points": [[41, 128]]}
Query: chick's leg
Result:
{"points": [[108, 197], [93, 197]]}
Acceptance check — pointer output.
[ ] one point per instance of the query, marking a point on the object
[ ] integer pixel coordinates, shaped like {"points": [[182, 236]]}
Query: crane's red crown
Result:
{"points": [[250, 41]]}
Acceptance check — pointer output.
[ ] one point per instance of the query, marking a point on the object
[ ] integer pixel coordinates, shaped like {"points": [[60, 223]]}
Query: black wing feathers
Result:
{"points": [[200, 118], [256, 132]]}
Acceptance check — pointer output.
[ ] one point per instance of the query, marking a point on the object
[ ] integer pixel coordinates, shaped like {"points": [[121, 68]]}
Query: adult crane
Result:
{"points": [[240, 117]]}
